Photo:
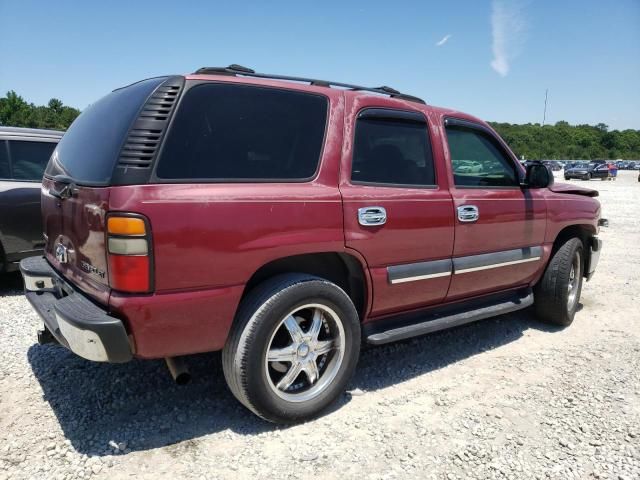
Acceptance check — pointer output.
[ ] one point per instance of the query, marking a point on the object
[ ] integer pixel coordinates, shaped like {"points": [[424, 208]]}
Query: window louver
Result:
{"points": [[144, 137]]}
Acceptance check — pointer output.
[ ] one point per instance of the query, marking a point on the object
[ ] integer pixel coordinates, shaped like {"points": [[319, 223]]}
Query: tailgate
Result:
{"points": [[75, 236]]}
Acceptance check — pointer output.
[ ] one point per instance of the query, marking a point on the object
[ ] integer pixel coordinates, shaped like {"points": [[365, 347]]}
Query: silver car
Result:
{"points": [[24, 153]]}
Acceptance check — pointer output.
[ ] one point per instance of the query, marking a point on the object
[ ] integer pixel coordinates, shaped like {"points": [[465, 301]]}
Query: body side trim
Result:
{"points": [[496, 259], [419, 271], [441, 268]]}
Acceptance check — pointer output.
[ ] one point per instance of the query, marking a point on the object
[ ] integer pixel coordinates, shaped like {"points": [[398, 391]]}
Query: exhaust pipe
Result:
{"points": [[178, 369]]}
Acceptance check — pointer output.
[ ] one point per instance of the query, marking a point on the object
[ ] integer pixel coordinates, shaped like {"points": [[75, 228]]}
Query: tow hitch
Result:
{"points": [[45, 336]]}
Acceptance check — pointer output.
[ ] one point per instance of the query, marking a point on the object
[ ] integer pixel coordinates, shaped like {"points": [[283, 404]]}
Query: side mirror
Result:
{"points": [[537, 176]]}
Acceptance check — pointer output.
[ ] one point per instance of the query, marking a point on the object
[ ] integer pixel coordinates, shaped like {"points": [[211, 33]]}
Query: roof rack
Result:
{"points": [[236, 70]]}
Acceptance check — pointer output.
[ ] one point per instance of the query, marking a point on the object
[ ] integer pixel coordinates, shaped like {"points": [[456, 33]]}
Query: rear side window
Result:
{"points": [[244, 133], [29, 159], [90, 148], [477, 160], [4, 160], [392, 152]]}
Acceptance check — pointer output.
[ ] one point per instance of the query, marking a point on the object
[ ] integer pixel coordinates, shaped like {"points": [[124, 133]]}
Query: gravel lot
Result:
{"points": [[504, 398]]}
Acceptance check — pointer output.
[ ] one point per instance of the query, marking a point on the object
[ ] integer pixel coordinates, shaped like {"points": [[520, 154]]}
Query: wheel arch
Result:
{"points": [[344, 269], [580, 231]]}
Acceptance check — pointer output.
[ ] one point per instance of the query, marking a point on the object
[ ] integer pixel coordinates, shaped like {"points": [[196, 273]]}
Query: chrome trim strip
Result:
{"points": [[496, 265], [420, 277], [495, 258], [411, 272]]}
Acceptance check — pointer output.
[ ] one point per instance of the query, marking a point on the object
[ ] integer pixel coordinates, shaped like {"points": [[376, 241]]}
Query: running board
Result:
{"points": [[413, 325]]}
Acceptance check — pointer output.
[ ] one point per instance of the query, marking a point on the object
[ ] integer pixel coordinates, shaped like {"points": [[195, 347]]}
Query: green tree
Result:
{"points": [[563, 141], [16, 112]]}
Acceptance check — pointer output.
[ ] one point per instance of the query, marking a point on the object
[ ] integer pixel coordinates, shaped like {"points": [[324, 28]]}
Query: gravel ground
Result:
{"points": [[504, 398]]}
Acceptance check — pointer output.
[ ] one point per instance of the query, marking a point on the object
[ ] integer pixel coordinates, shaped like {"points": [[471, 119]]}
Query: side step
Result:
{"points": [[421, 323]]}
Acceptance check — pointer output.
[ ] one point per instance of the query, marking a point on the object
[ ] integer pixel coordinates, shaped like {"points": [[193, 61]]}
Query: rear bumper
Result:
{"points": [[75, 321], [595, 247]]}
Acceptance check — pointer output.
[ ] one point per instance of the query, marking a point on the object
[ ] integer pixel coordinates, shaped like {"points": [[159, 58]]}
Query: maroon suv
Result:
{"points": [[285, 220]]}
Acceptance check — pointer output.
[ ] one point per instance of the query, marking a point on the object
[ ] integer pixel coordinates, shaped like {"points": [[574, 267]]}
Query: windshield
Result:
{"points": [[89, 150]]}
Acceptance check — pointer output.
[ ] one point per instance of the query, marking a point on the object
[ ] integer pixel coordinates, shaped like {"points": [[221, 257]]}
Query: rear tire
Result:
{"points": [[557, 294], [293, 347]]}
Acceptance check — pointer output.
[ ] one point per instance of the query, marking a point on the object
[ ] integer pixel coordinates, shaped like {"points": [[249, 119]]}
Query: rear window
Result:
{"points": [[28, 159], [89, 150], [244, 133]]}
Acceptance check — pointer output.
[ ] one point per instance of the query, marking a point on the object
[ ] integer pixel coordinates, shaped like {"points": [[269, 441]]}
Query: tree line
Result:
{"points": [[531, 141], [570, 142], [15, 111]]}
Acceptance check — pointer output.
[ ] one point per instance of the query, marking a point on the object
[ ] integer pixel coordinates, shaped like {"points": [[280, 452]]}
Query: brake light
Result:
{"points": [[129, 250]]}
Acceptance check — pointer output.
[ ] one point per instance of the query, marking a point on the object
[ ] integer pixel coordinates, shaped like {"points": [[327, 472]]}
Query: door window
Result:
{"points": [[29, 159], [478, 160], [392, 151]]}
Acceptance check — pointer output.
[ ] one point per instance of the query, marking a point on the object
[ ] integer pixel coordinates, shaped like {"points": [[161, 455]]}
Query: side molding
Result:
{"points": [[419, 271], [412, 272]]}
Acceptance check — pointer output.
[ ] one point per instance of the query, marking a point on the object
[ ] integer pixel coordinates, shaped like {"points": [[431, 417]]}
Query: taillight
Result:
{"points": [[129, 251]]}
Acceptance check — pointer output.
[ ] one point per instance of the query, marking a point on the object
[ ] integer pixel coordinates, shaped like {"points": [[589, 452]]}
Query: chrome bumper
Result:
{"points": [[72, 319]]}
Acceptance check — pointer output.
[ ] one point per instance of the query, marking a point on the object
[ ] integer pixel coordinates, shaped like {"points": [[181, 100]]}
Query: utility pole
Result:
{"points": [[544, 116]]}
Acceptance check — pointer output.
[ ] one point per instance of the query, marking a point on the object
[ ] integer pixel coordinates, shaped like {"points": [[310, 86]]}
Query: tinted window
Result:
{"points": [[391, 151], [477, 160], [90, 148], [4, 160], [28, 159], [233, 132]]}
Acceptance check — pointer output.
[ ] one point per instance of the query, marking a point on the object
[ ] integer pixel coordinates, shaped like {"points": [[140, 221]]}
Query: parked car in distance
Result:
{"points": [[553, 165], [284, 221], [24, 153], [591, 170], [468, 166]]}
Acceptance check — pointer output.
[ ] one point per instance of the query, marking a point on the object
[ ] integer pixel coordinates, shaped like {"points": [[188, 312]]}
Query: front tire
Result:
{"points": [[557, 294], [293, 347]]}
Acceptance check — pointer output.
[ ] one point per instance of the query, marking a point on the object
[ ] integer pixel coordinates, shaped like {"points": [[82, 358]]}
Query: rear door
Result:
{"points": [[22, 163], [396, 213], [500, 227]]}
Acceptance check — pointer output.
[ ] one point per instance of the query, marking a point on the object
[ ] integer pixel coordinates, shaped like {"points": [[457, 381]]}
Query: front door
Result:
{"points": [[396, 213], [499, 226]]}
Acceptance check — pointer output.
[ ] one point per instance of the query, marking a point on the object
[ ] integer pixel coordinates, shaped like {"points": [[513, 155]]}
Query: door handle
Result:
{"points": [[372, 216], [468, 213]]}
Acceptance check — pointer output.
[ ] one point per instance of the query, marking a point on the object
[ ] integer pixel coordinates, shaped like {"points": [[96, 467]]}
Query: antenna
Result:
{"points": [[544, 116]]}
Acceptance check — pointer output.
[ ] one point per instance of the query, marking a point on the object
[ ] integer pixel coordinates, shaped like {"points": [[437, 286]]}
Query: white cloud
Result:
{"points": [[507, 31], [444, 40]]}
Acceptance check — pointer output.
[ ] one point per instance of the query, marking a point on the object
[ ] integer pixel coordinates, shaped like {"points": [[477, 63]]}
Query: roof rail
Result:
{"points": [[239, 70]]}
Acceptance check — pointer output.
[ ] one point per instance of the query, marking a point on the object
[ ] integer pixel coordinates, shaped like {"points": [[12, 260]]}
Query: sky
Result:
{"points": [[490, 58]]}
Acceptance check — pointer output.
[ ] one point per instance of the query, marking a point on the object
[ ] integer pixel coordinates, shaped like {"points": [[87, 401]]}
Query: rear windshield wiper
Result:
{"points": [[67, 191]]}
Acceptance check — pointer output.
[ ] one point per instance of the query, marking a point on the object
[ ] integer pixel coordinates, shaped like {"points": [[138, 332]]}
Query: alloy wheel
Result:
{"points": [[305, 353]]}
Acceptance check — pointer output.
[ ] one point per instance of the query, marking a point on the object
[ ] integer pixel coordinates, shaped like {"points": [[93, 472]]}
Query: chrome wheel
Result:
{"points": [[305, 353], [575, 276]]}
